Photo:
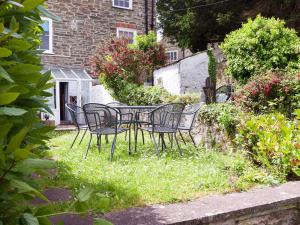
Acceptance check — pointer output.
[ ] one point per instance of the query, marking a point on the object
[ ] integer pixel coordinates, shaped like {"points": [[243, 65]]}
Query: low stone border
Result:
{"points": [[268, 206]]}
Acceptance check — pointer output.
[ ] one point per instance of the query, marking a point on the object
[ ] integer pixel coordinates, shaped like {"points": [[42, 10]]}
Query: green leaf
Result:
{"points": [[44, 12], [31, 4], [23, 187], [6, 87], [9, 33], [6, 98], [46, 77], [99, 221], [12, 111], [7, 63], [14, 25], [17, 139], [44, 221], [25, 72], [15, 3], [4, 52], [85, 194], [38, 164], [1, 27], [21, 153], [18, 44], [43, 211], [4, 74], [30, 219], [81, 207], [5, 129]]}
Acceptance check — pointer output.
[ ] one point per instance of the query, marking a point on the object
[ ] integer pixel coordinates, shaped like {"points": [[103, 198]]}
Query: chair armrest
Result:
{"points": [[130, 115]]}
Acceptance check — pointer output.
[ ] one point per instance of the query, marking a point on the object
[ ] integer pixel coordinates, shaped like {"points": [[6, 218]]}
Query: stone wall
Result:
{"points": [[279, 205], [85, 24], [211, 136]]}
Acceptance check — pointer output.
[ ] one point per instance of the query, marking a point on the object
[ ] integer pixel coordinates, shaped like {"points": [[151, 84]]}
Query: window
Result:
{"points": [[47, 37], [127, 33], [172, 56], [124, 4]]}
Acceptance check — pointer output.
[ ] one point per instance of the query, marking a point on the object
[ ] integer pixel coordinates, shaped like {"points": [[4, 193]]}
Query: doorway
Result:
{"points": [[63, 98]]}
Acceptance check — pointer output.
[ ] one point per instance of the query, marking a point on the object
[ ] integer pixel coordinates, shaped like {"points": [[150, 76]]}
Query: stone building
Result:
{"points": [[70, 43], [173, 52], [85, 24]]}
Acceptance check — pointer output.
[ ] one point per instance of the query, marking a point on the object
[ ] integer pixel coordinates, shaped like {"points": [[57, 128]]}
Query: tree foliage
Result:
{"points": [[194, 23], [261, 45], [23, 89]]}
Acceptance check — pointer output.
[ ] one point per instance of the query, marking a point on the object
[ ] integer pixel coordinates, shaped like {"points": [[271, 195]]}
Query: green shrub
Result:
{"points": [[23, 89], [225, 115], [133, 94], [272, 92], [261, 45], [273, 142]]}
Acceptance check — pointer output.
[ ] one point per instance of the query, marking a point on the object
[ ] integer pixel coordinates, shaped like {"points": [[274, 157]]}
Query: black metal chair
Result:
{"points": [[224, 93], [103, 120], [77, 117], [187, 121], [125, 115], [164, 120]]}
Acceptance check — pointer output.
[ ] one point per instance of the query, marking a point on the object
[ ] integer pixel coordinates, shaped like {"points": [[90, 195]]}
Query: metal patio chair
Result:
{"points": [[103, 120], [187, 120], [77, 117], [164, 120], [224, 93], [125, 115]]}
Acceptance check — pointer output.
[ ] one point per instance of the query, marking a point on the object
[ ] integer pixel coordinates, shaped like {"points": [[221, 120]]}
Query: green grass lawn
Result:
{"points": [[143, 179]]}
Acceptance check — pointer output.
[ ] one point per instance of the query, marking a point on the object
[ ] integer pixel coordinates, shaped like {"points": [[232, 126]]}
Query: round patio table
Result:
{"points": [[136, 109]]}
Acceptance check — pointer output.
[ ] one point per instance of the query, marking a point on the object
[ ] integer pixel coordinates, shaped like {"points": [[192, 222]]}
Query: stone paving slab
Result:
{"points": [[72, 219], [210, 208], [54, 195]]}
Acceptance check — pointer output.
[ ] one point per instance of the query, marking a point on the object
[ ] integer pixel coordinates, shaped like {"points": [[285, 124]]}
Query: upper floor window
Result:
{"points": [[130, 34], [47, 37], [125, 4], [172, 56]]}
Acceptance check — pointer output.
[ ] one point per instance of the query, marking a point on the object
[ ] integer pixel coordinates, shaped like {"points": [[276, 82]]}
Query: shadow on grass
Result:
{"points": [[144, 179]]}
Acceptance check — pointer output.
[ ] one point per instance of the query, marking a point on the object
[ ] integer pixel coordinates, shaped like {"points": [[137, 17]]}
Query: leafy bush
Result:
{"points": [[22, 97], [155, 52], [261, 44], [273, 142], [116, 62], [225, 115], [270, 93], [133, 94], [124, 67]]}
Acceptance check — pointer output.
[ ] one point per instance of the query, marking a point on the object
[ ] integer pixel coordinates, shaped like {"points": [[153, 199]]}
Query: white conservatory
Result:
{"points": [[70, 86]]}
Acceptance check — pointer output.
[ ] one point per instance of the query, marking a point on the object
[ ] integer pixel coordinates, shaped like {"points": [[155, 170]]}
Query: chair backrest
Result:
{"points": [[77, 114], [100, 116], [189, 114], [224, 93], [167, 115], [114, 104]]}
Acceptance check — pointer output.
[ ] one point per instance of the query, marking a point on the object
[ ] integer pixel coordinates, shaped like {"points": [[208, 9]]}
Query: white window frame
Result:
{"points": [[121, 7], [170, 60], [50, 50], [127, 30]]}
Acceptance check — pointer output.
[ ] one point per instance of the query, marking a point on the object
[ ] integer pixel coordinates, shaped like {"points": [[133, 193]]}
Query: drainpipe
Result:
{"points": [[146, 16], [152, 14]]}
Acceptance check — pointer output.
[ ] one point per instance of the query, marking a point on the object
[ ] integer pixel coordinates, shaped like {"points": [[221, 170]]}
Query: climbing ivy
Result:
{"points": [[212, 65]]}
